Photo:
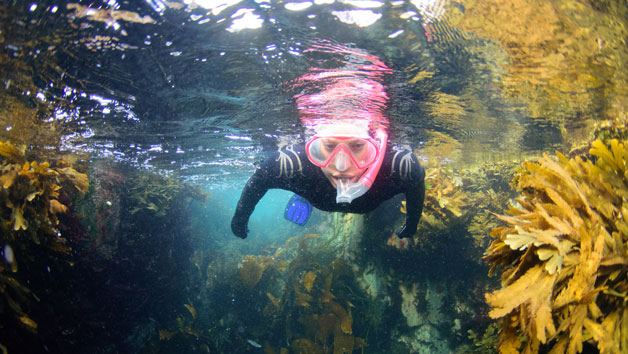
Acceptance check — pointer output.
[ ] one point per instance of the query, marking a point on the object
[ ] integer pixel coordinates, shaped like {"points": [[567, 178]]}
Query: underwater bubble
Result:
{"points": [[254, 343], [8, 254]]}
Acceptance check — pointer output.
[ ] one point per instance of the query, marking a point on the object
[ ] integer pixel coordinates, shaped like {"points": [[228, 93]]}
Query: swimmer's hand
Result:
{"points": [[405, 232], [239, 227]]}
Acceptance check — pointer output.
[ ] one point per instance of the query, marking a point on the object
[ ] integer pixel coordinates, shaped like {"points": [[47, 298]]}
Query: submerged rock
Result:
{"points": [[426, 339]]}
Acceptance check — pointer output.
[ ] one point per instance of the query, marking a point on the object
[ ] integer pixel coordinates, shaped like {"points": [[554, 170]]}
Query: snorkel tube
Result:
{"points": [[347, 191]]}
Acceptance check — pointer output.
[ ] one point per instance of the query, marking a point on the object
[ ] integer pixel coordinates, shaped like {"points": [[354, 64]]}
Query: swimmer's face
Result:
{"points": [[342, 164]]}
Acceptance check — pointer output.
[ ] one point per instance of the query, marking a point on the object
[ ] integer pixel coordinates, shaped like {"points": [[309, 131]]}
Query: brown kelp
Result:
{"points": [[31, 197], [488, 187], [154, 194], [563, 255], [444, 197], [306, 303], [562, 60], [317, 306], [463, 199], [482, 343]]}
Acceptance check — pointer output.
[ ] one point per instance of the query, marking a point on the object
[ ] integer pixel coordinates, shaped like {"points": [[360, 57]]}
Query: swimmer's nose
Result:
{"points": [[342, 162]]}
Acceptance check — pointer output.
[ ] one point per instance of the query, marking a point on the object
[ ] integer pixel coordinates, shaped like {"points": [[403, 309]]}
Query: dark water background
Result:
{"points": [[172, 90]]}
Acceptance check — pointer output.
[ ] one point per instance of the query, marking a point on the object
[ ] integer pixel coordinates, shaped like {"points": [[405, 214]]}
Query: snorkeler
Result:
{"points": [[346, 164], [344, 167]]}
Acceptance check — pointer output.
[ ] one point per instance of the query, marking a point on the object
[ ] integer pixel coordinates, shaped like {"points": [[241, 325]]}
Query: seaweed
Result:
{"points": [[308, 302], [484, 343], [550, 61], [32, 196], [445, 200], [563, 255], [152, 194]]}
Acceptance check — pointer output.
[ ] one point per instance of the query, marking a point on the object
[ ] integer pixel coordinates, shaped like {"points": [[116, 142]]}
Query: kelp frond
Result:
{"points": [[30, 202], [563, 255], [12, 153], [445, 200]]}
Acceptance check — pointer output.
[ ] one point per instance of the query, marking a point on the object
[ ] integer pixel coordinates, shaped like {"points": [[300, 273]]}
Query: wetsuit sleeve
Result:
{"points": [[255, 188], [281, 169], [414, 190]]}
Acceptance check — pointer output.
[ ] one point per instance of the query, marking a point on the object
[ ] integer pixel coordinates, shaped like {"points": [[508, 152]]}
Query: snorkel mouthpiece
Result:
{"points": [[347, 191]]}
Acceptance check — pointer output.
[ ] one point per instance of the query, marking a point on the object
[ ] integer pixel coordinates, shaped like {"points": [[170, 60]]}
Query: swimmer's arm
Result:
{"points": [[256, 187], [252, 193], [414, 209], [415, 196]]}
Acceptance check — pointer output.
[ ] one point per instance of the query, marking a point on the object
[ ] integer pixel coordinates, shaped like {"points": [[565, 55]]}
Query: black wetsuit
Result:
{"points": [[290, 169]]}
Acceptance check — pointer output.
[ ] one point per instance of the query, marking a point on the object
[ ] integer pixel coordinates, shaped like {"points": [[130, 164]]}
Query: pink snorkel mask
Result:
{"points": [[363, 152]]}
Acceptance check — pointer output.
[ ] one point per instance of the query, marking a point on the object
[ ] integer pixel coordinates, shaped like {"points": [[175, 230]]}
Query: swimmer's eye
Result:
{"points": [[356, 147], [330, 146]]}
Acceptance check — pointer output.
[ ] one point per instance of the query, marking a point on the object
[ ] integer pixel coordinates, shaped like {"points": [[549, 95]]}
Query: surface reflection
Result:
{"points": [[472, 81]]}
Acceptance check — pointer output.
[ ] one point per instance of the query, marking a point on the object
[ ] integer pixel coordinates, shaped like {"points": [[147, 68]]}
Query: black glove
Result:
{"points": [[405, 232], [239, 227]]}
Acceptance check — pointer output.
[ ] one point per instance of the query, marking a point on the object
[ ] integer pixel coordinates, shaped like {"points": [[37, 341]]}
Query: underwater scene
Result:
{"points": [[168, 182]]}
